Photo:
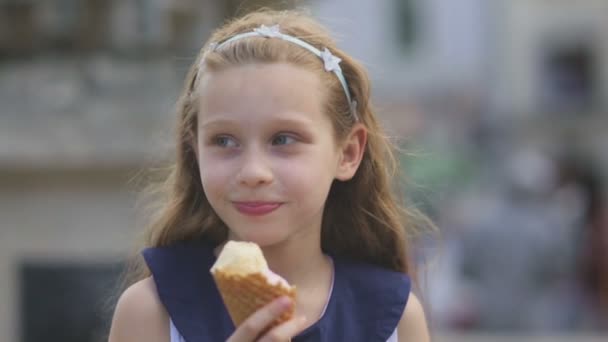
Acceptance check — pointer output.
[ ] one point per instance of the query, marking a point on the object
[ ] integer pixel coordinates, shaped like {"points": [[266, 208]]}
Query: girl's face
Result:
{"points": [[267, 153]]}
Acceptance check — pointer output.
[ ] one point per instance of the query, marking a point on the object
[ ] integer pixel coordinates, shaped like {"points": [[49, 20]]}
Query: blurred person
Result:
{"points": [[278, 144], [515, 243], [582, 180]]}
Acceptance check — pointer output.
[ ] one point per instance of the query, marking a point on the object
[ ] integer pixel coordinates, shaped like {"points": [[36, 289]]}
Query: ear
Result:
{"points": [[351, 152]]}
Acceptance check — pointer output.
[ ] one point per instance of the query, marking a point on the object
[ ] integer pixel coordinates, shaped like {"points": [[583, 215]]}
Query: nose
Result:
{"points": [[255, 170]]}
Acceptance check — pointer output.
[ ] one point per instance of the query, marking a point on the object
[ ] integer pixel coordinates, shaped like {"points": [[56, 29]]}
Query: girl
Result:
{"points": [[278, 144]]}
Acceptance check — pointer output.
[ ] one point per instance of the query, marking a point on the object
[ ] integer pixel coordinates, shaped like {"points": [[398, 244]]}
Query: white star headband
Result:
{"points": [[330, 62]]}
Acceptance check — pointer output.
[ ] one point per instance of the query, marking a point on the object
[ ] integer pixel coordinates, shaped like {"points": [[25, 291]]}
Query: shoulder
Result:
{"points": [[412, 325], [372, 294], [365, 275], [139, 315]]}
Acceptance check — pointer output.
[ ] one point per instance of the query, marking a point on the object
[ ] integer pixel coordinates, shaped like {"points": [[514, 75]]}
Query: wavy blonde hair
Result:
{"points": [[364, 218]]}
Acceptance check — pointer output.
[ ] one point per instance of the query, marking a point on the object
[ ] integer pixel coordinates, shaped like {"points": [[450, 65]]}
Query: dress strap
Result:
{"points": [[175, 335], [393, 337]]}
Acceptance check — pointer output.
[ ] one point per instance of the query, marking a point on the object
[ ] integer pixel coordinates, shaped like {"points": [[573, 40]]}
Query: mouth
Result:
{"points": [[256, 208]]}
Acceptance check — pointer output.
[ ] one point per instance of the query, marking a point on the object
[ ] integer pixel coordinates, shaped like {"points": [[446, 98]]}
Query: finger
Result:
{"points": [[253, 326], [285, 331]]}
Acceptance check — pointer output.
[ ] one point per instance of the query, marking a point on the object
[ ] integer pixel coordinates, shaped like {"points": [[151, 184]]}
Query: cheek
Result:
{"points": [[214, 177], [307, 177]]}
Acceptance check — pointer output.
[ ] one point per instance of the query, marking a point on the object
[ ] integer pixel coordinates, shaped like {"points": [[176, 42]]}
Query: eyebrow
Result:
{"points": [[220, 121]]}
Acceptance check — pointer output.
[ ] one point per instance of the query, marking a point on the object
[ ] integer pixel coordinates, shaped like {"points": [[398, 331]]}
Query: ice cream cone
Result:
{"points": [[246, 284]]}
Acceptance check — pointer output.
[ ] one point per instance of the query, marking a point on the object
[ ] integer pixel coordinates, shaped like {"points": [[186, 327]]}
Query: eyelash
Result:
{"points": [[217, 140], [285, 135]]}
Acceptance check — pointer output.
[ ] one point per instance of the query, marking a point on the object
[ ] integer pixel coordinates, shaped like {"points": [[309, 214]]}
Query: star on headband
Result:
{"points": [[268, 31], [330, 61]]}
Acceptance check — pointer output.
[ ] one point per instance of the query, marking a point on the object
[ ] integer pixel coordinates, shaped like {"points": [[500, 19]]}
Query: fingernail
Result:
{"points": [[284, 302]]}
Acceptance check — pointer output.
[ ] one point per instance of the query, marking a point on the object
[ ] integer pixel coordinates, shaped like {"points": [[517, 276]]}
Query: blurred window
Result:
{"points": [[568, 77], [406, 23], [64, 302], [17, 34]]}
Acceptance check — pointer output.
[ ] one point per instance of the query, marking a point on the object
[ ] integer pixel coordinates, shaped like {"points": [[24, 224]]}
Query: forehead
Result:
{"points": [[254, 91]]}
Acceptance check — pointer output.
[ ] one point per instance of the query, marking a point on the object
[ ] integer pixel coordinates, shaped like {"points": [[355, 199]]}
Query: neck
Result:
{"points": [[300, 263], [304, 266]]}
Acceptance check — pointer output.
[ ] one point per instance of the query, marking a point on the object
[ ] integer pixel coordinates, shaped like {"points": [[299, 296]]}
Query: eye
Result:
{"points": [[283, 139], [224, 141]]}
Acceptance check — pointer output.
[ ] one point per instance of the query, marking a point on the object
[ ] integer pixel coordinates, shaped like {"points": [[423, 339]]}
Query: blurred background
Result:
{"points": [[501, 107]]}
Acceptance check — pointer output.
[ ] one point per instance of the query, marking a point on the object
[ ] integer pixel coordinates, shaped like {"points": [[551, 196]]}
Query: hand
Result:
{"points": [[250, 329]]}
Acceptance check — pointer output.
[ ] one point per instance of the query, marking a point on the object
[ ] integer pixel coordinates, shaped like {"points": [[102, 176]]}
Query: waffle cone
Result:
{"points": [[243, 294]]}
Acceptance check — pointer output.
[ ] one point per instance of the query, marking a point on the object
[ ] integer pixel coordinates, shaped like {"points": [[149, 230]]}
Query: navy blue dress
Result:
{"points": [[366, 302]]}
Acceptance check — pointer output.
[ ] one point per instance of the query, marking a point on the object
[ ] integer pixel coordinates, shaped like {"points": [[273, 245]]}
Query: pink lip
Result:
{"points": [[256, 208]]}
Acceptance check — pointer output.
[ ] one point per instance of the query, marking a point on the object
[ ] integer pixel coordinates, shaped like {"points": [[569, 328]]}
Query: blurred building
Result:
{"points": [[87, 89]]}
